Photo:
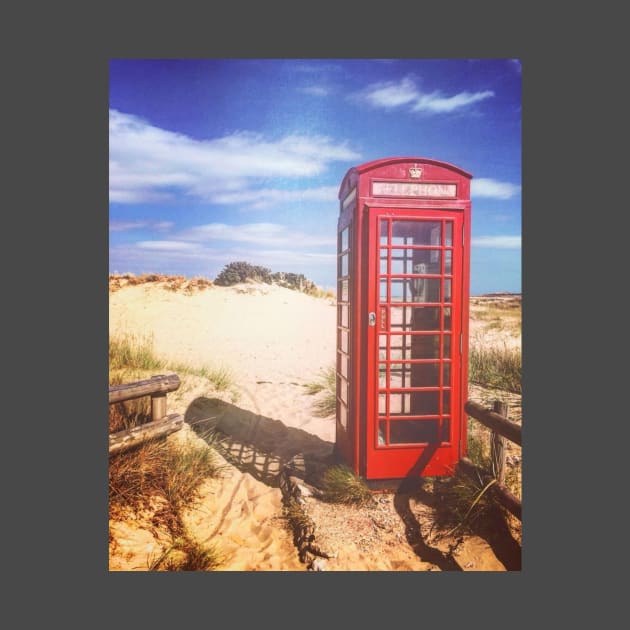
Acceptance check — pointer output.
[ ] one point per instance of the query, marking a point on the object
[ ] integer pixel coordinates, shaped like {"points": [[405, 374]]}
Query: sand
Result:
{"points": [[273, 341]]}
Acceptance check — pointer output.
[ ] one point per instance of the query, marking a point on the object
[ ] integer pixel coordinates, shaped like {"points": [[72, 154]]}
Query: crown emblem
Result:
{"points": [[415, 172]]}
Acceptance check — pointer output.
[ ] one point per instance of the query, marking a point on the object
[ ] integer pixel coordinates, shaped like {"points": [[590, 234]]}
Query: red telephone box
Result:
{"points": [[402, 321]]}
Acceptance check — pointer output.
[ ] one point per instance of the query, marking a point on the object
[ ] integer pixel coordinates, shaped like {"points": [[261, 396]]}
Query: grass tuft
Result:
{"points": [[341, 485], [500, 368], [326, 405]]}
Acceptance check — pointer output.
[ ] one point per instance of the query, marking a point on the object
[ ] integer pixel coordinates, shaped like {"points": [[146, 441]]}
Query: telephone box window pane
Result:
{"points": [[343, 315], [400, 375], [383, 293], [381, 404], [344, 239], [344, 265], [426, 261], [344, 291], [449, 235], [446, 380], [425, 347], [383, 232], [383, 267], [447, 346], [382, 375], [447, 318], [403, 375], [382, 428], [446, 407], [343, 415], [343, 364], [343, 389], [425, 404], [400, 291], [382, 347], [447, 290], [413, 431], [416, 233], [446, 430], [448, 261], [344, 340], [425, 290], [399, 404], [426, 317]]}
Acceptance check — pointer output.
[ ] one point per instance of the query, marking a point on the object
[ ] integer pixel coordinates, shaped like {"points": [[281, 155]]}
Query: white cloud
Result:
{"points": [[405, 93], [439, 104], [148, 163], [172, 246], [267, 234], [124, 226], [266, 197], [485, 187], [497, 242]]}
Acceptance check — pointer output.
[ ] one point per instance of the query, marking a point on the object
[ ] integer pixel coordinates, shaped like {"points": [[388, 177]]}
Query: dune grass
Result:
{"points": [[326, 405], [341, 485], [130, 353], [160, 473], [500, 368]]}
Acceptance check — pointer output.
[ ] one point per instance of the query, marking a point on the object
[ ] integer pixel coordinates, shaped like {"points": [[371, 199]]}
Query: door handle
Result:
{"points": [[372, 318]]}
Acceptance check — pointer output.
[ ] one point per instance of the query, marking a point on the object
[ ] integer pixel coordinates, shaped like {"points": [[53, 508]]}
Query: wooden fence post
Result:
{"points": [[497, 445]]}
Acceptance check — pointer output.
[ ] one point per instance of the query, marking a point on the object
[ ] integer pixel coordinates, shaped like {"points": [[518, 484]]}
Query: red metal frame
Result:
{"points": [[357, 442]]}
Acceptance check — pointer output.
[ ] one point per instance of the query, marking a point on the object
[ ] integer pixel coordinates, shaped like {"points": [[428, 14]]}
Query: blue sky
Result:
{"points": [[217, 160]]}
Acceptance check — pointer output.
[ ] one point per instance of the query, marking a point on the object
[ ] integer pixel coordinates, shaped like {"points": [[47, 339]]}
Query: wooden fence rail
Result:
{"points": [[161, 424], [502, 428]]}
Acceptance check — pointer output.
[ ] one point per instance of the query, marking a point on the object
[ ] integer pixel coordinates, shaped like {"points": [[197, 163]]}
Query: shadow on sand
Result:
{"points": [[259, 445]]}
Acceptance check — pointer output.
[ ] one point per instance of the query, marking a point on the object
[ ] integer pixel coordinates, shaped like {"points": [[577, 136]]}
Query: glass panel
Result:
{"points": [[404, 375], [426, 318], [382, 428], [446, 430], [448, 261], [343, 315], [344, 265], [400, 404], [449, 234], [382, 346], [425, 404], [344, 238], [344, 340], [447, 318], [447, 346], [383, 232], [383, 292], [400, 291], [343, 364], [425, 347], [382, 375], [425, 290], [402, 261], [446, 377], [413, 431], [446, 407], [416, 233], [343, 415], [381, 404], [383, 267], [344, 291], [447, 290], [343, 389]]}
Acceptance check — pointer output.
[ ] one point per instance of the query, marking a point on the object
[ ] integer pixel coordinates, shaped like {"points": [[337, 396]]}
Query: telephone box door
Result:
{"points": [[414, 342]]}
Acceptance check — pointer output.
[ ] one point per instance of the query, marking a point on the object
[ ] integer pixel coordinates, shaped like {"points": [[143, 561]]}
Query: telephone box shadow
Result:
{"points": [[493, 529], [259, 445], [413, 532]]}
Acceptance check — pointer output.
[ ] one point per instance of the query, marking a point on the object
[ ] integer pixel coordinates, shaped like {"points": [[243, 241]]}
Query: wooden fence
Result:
{"points": [[161, 424], [502, 429]]}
